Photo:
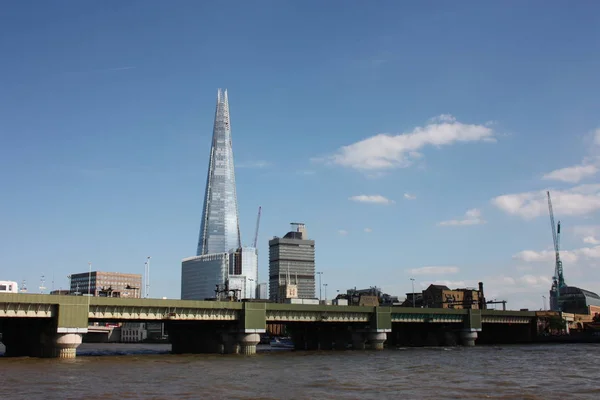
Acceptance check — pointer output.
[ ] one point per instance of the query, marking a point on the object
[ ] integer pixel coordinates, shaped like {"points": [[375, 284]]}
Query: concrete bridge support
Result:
{"points": [[248, 342], [468, 337], [38, 339], [376, 340]]}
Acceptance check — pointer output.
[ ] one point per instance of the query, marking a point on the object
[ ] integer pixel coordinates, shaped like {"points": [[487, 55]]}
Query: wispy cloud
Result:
{"points": [[572, 174], [576, 201], [409, 196], [306, 172], [254, 164], [472, 217], [373, 199], [96, 71], [436, 270], [386, 151], [342, 232], [368, 230]]}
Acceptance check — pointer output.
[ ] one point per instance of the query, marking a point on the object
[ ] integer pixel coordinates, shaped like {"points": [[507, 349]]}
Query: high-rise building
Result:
{"points": [[220, 259], [106, 284], [219, 229], [262, 291], [292, 264]]}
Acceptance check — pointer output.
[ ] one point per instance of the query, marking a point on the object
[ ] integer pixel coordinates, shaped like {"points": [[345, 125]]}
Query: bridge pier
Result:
{"points": [[376, 340], [468, 337], [248, 342]]}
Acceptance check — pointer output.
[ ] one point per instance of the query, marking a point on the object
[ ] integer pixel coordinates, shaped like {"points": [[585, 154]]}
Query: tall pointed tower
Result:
{"points": [[220, 230]]}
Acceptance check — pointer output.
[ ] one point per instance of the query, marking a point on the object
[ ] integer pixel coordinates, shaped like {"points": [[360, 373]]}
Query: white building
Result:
{"points": [[133, 332], [243, 271], [202, 274], [262, 291]]}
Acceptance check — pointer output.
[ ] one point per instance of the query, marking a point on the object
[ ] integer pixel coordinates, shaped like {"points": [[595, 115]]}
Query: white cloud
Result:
{"points": [[535, 281], [597, 137], [375, 199], [254, 164], [433, 270], [342, 232], [579, 200], [409, 196], [569, 256], [450, 284], [305, 172], [591, 240], [572, 174], [385, 151], [472, 217], [586, 230], [368, 230]]}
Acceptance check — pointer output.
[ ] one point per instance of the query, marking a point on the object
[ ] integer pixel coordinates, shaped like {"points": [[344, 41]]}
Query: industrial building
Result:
{"points": [[292, 265], [106, 284], [441, 296]]}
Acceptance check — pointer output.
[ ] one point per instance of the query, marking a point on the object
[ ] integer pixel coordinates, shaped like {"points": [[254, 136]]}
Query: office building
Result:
{"points": [[292, 265], [106, 284], [236, 270], [243, 271], [262, 291], [219, 228], [221, 263]]}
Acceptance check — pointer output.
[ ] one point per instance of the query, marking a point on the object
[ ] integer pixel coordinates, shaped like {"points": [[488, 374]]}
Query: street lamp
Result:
{"points": [[544, 302], [325, 286], [320, 274], [147, 277], [413, 291]]}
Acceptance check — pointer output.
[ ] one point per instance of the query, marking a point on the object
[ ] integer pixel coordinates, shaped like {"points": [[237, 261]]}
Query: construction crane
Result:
{"points": [[558, 280], [256, 231]]}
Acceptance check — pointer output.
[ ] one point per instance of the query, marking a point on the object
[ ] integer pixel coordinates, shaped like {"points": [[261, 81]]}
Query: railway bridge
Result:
{"points": [[40, 325]]}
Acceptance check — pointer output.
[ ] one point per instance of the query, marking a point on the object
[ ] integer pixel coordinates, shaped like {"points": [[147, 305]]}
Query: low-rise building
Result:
{"points": [[133, 332], [106, 284]]}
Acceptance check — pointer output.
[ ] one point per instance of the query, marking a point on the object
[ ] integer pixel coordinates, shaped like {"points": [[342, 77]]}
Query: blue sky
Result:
{"points": [[106, 115]]}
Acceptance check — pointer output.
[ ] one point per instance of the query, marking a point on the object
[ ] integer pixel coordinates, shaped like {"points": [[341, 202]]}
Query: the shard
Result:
{"points": [[220, 260], [220, 230]]}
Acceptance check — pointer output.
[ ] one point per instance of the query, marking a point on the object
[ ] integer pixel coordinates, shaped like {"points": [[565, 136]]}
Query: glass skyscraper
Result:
{"points": [[220, 230], [219, 244]]}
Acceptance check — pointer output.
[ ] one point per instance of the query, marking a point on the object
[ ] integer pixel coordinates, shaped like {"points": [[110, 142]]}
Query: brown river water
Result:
{"points": [[137, 371]]}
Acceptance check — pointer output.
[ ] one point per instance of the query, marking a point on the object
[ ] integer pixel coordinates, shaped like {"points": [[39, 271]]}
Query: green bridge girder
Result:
{"points": [[75, 312]]}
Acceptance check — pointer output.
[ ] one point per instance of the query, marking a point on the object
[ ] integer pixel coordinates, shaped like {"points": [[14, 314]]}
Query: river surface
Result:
{"points": [[138, 371]]}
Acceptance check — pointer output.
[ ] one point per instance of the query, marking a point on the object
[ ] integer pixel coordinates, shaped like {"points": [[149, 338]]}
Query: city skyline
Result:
{"points": [[415, 141]]}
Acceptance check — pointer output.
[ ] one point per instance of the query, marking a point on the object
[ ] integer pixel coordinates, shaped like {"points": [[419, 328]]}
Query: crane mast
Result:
{"points": [[558, 280], [256, 231]]}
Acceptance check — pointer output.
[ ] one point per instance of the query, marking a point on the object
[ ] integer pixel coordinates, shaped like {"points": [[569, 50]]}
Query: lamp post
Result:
{"points": [[147, 283], [544, 303], [413, 291], [320, 274], [325, 286]]}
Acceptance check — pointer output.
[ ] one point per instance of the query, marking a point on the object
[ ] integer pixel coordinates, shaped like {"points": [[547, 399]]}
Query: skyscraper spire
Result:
{"points": [[219, 230]]}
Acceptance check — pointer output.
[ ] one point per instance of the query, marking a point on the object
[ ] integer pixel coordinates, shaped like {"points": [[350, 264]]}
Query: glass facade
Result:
{"points": [[219, 230], [200, 275]]}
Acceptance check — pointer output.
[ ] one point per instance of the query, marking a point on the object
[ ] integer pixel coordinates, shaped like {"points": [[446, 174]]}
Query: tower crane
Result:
{"points": [[257, 225], [558, 280]]}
